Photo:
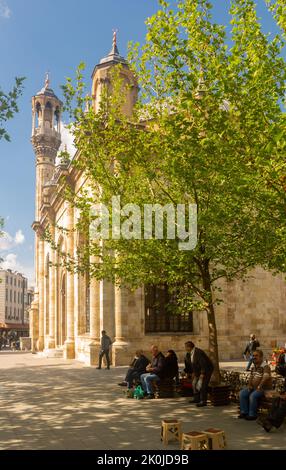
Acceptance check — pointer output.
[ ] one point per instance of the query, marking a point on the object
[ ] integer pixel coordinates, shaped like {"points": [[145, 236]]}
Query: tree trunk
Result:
{"points": [[213, 344]]}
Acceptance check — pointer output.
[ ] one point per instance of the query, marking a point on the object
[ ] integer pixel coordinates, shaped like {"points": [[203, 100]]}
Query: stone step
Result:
{"points": [[57, 352]]}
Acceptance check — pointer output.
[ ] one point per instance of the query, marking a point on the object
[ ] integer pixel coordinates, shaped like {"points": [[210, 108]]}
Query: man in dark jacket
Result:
{"points": [[105, 344], [199, 366], [137, 368], [251, 346], [154, 371]]}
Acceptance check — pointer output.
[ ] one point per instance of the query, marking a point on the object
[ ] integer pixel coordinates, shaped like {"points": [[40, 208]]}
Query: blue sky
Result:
{"points": [[55, 35]]}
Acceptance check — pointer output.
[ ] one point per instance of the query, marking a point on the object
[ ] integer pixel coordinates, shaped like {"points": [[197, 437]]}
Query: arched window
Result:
{"points": [[38, 115], [48, 115]]}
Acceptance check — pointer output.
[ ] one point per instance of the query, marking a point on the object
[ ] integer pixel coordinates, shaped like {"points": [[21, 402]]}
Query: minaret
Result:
{"points": [[46, 137], [46, 140], [100, 79]]}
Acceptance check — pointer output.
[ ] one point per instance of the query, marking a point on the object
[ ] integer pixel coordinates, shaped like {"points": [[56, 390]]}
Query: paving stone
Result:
{"points": [[49, 403]]}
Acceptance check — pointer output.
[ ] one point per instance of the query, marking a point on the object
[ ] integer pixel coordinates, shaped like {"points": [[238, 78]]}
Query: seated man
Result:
{"points": [[259, 381], [137, 368], [154, 371]]}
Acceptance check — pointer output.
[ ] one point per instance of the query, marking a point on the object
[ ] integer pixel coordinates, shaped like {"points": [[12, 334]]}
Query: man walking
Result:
{"points": [[251, 346], [105, 344]]}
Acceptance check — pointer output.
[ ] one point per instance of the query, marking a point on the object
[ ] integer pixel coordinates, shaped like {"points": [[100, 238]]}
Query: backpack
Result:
{"points": [[138, 392], [277, 413]]}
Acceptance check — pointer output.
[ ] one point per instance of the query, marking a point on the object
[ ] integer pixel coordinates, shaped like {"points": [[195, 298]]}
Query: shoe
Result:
{"points": [[150, 396], [107, 368], [193, 401], [267, 427], [98, 367], [200, 404], [251, 418], [123, 384], [242, 416]]}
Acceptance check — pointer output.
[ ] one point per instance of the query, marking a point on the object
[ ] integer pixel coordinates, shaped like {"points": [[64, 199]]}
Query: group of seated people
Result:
{"points": [[145, 371], [198, 367]]}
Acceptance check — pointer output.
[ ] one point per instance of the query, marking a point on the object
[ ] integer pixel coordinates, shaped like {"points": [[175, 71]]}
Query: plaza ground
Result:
{"points": [[57, 404]]}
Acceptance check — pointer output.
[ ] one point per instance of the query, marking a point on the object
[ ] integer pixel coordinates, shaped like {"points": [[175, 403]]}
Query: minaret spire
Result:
{"points": [[114, 49], [47, 80]]}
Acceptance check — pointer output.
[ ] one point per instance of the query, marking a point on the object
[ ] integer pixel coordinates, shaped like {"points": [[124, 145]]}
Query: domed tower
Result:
{"points": [[101, 79], [46, 137]]}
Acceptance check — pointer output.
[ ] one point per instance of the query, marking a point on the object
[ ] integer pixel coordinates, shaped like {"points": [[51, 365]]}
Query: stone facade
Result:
{"points": [[67, 314]]}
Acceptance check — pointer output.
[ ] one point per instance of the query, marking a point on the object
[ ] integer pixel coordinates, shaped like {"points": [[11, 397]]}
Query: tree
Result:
{"points": [[199, 135], [8, 105]]}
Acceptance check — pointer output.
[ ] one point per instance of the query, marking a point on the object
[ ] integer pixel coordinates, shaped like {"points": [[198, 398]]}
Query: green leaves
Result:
{"points": [[8, 105], [209, 129]]}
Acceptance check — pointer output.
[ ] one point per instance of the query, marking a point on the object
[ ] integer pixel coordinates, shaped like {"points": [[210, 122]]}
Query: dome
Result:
{"points": [[113, 55], [46, 90]]}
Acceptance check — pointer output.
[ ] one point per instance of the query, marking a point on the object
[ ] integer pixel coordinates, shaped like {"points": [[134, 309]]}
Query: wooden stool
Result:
{"points": [[170, 430], [216, 437], [194, 441]]}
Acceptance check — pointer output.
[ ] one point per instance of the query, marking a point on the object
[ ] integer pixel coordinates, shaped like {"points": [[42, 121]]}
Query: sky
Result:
{"points": [[37, 36]]}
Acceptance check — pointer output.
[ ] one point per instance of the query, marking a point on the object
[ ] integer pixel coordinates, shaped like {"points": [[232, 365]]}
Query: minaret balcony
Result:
{"points": [[47, 131]]}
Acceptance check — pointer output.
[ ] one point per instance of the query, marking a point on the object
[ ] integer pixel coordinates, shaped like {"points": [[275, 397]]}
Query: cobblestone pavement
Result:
{"points": [[58, 404]]}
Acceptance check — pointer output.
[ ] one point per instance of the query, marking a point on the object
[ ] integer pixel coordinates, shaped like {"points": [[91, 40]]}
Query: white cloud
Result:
{"points": [[67, 141], [19, 237], [10, 261], [5, 11], [7, 241]]}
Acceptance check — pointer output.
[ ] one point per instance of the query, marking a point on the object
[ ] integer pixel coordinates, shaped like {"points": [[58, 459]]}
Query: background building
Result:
{"points": [[14, 302], [70, 309]]}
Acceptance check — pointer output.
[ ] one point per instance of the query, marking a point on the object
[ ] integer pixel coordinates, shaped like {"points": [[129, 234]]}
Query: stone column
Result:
{"points": [[53, 117], [52, 295], [69, 346], [43, 117], [33, 121], [121, 354], [94, 345], [34, 322], [41, 287]]}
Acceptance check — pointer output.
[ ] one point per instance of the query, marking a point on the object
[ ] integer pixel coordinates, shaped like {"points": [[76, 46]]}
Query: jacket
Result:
{"points": [[158, 364], [251, 346], [139, 364], [171, 368], [105, 343], [201, 363]]}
